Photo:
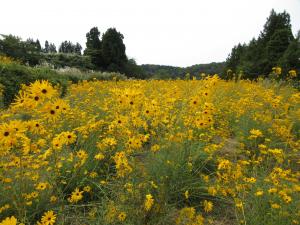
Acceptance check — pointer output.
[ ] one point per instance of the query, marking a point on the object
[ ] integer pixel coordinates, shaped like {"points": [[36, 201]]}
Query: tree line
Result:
{"points": [[106, 53], [275, 46]]}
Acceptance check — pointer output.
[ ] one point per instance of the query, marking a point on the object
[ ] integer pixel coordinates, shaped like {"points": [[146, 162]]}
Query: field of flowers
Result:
{"points": [[184, 152]]}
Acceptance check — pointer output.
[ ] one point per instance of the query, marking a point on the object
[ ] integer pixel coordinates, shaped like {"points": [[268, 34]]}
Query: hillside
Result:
{"points": [[162, 71]]}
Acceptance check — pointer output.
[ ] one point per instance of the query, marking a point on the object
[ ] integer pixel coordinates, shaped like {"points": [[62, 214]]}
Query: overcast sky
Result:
{"points": [[168, 32]]}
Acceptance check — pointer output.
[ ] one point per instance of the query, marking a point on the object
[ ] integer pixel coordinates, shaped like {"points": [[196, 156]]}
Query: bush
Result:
{"points": [[12, 75], [74, 73], [61, 60]]}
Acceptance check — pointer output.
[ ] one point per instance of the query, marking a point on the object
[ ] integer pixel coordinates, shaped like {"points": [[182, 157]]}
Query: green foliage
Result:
{"points": [[261, 54], [109, 53], [133, 70], [27, 52], [93, 47], [113, 51], [277, 45], [290, 58], [69, 47], [172, 72], [178, 173], [62, 60], [13, 75], [90, 75], [49, 48]]}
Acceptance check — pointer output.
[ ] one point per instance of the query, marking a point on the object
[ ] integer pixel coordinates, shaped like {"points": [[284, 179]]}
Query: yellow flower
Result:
{"points": [[208, 206], [251, 180], [53, 199], [199, 220], [155, 148], [292, 73], [34, 194], [287, 198], [148, 202], [224, 164], [272, 190], [41, 186], [76, 196], [99, 156], [255, 133], [238, 203], [81, 154], [277, 70], [186, 194], [122, 216], [43, 89], [122, 164], [9, 221], [259, 193], [68, 137], [275, 206], [87, 189], [188, 216], [48, 218], [212, 191]]}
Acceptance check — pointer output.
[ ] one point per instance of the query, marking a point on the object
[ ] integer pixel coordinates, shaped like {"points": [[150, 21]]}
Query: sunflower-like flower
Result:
{"points": [[9, 221], [48, 218], [42, 90], [76, 196]]}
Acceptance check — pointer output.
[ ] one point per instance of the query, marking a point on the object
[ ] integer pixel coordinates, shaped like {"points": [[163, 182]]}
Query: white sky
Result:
{"points": [[166, 32]]}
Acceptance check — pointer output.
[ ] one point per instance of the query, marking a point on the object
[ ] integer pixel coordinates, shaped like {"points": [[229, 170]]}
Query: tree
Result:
{"points": [[46, 49], [276, 21], [49, 48], [261, 54], [277, 45], [133, 70], [78, 48], [93, 47], [27, 52], [92, 39], [113, 50], [234, 58], [11, 46], [67, 47], [291, 57], [52, 48], [38, 45]]}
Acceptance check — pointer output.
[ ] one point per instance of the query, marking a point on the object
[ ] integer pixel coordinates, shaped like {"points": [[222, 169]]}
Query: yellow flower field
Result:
{"points": [[184, 152]]}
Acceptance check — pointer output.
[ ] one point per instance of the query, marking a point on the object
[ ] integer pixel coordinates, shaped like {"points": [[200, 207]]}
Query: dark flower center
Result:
{"points": [[44, 91], [6, 133], [52, 112]]}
